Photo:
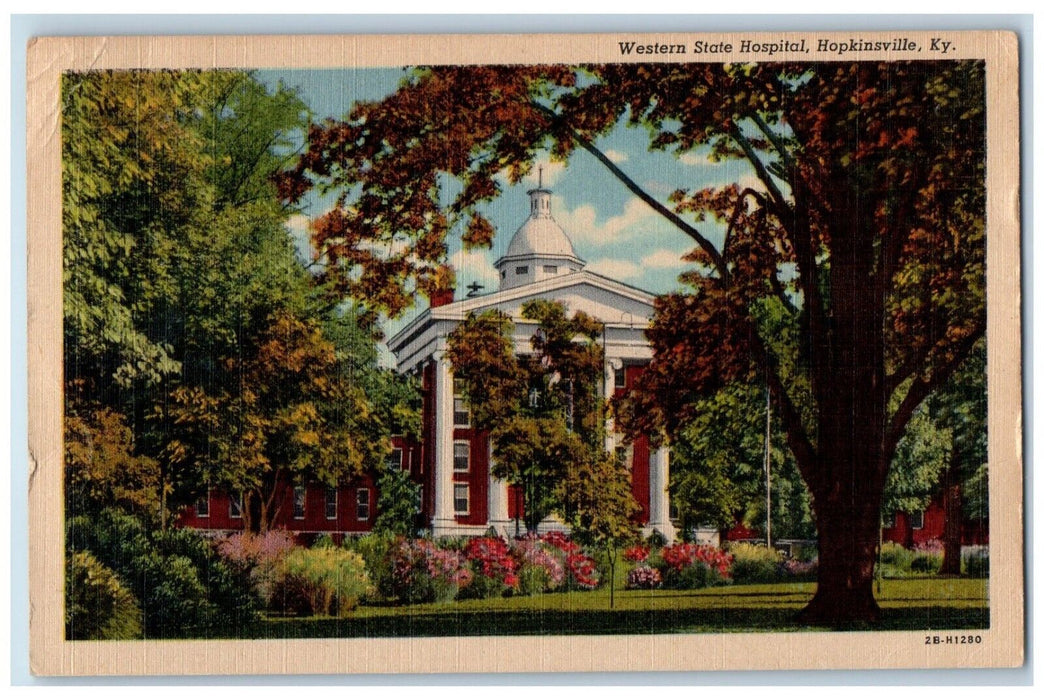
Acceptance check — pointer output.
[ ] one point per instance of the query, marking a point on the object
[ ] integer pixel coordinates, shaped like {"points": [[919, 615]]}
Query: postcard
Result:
{"points": [[489, 353]]}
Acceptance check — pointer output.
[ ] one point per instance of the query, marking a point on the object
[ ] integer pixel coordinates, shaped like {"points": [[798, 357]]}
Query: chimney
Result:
{"points": [[442, 297]]}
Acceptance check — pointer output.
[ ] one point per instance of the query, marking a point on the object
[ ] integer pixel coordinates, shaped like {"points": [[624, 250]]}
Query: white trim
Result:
{"points": [[358, 502], [467, 444], [458, 485]]}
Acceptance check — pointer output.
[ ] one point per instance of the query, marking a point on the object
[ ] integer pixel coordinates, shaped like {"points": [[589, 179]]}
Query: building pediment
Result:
{"points": [[624, 309]]}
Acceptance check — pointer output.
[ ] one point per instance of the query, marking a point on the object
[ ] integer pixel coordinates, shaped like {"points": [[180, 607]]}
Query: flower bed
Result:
{"points": [[424, 573], [687, 565], [492, 566]]}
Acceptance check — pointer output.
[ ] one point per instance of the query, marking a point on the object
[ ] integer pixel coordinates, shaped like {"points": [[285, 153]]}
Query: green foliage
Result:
{"points": [[533, 579], [536, 454], [544, 412], [98, 605], [899, 562], [323, 581], [375, 549], [483, 358], [692, 577], [398, 503], [754, 563], [717, 468], [977, 563], [598, 504], [919, 462], [185, 589], [102, 469]]}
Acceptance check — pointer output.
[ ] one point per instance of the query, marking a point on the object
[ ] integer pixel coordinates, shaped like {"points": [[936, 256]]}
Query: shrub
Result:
{"points": [[636, 554], [927, 557], [323, 581], [977, 563], [422, 572], [98, 606], [644, 577], [375, 549], [398, 502], [539, 569], [926, 563], [688, 566], [258, 557], [581, 570], [804, 570], [493, 567], [753, 563], [184, 587], [895, 560]]}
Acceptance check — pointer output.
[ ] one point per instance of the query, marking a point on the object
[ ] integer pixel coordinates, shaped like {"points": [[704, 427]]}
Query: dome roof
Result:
{"points": [[540, 235]]}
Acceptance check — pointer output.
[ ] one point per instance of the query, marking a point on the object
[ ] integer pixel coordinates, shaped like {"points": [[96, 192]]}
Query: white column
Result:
{"points": [[659, 500], [498, 501], [611, 365], [443, 521]]}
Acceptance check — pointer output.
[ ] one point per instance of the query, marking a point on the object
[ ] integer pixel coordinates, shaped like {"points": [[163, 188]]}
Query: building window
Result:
{"points": [[460, 499], [619, 377], [461, 456], [522, 270], [917, 519], [203, 506], [235, 506], [461, 414], [503, 274], [395, 459], [299, 502], [551, 269], [331, 504], [362, 504]]}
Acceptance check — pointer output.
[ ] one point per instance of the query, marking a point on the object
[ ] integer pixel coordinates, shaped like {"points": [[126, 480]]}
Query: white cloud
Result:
{"points": [[615, 269], [616, 156], [663, 258], [474, 266], [581, 224], [693, 158]]}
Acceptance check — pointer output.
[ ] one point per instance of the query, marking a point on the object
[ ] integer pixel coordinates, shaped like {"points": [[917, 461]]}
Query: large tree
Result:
{"points": [[860, 231]]}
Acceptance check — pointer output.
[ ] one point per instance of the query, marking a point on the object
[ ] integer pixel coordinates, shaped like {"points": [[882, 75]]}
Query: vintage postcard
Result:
{"points": [[414, 354]]}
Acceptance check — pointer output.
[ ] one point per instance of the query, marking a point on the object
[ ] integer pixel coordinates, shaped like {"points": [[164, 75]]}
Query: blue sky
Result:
{"points": [[616, 233]]}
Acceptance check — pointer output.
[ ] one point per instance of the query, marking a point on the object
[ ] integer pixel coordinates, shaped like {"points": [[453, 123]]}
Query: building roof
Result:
{"points": [[614, 303], [539, 236]]}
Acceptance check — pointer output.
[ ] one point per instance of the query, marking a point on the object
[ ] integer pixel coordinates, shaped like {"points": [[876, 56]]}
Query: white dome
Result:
{"points": [[539, 249], [540, 236]]}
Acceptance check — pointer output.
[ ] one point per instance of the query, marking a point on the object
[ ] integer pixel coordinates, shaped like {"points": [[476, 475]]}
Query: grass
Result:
{"points": [[908, 604]]}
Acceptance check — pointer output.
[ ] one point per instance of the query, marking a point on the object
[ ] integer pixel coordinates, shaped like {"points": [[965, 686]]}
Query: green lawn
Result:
{"points": [[908, 604]]}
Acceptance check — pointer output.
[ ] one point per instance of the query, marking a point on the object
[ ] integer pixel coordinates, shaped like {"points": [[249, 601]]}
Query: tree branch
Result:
{"points": [[685, 227], [922, 387], [797, 439]]}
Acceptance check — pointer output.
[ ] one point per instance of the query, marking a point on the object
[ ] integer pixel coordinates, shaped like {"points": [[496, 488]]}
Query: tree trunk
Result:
{"points": [[952, 496], [847, 545]]}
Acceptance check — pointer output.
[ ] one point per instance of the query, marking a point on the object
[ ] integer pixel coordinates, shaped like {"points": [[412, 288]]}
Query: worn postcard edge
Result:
{"points": [[50, 654]]}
